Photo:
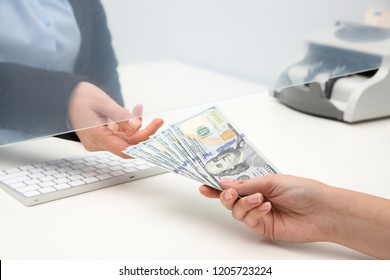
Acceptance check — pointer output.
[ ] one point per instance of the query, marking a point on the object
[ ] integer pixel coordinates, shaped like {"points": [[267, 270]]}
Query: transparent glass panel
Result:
{"points": [[64, 66]]}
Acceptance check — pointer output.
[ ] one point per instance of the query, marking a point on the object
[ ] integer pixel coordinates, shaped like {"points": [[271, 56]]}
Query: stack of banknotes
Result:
{"points": [[205, 147]]}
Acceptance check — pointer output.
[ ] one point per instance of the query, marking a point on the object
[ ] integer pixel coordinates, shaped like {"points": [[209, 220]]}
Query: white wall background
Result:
{"points": [[249, 39]]}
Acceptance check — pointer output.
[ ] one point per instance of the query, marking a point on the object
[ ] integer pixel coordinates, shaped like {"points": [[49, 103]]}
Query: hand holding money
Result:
{"points": [[205, 147]]}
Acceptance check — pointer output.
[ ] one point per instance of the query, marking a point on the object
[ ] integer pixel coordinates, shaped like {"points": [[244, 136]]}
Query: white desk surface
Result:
{"points": [[164, 217]]}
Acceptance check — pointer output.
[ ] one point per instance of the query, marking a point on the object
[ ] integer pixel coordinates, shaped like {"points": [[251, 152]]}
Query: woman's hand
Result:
{"points": [[279, 207], [295, 209], [103, 125]]}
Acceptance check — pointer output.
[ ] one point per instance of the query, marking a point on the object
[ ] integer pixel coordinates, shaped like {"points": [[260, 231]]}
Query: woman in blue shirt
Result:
{"points": [[58, 73]]}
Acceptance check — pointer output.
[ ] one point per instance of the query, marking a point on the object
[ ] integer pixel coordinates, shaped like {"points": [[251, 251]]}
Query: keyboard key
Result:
{"points": [[32, 182], [47, 184], [142, 167], [47, 190], [77, 161], [47, 178], [75, 177], [17, 185], [90, 179], [79, 166], [104, 176], [115, 168], [64, 169], [75, 172], [89, 174], [117, 173], [76, 183], [88, 169], [102, 165], [61, 181], [103, 171], [37, 175], [64, 164], [31, 193], [28, 188], [61, 175], [50, 172], [62, 186], [130, 170]]}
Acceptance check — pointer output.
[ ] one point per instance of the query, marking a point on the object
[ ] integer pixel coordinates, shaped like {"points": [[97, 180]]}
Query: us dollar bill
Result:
{"points": [[220, 149]]}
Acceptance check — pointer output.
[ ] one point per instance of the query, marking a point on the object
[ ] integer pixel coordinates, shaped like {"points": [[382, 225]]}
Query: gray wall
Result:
{"points": [[249, 39]]}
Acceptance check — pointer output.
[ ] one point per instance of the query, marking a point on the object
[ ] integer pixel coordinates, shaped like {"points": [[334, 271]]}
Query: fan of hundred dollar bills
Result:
{"points": [[204, 147]]}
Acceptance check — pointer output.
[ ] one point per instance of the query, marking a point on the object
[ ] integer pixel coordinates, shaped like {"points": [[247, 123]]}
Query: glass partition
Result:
{"points": [[72, 65]]}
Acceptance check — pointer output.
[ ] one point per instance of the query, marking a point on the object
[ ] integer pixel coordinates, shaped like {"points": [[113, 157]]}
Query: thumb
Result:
{"points": [[122, 116], [134, 122]]}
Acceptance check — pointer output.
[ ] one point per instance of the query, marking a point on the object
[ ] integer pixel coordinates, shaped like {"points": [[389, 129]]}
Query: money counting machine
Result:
{"points": [[343, 74]]}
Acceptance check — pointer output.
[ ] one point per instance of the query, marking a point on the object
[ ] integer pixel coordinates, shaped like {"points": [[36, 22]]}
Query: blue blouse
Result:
{"points": [[39, 33]]}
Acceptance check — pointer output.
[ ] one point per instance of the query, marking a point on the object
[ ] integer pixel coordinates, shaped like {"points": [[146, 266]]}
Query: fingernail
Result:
{"points": [[228, 194], [226, 180], [255, 198], [135, 123], [265, 206]]}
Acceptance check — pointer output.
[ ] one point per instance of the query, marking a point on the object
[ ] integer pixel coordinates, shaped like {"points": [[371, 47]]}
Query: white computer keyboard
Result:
{"points": [[47, 181]]}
